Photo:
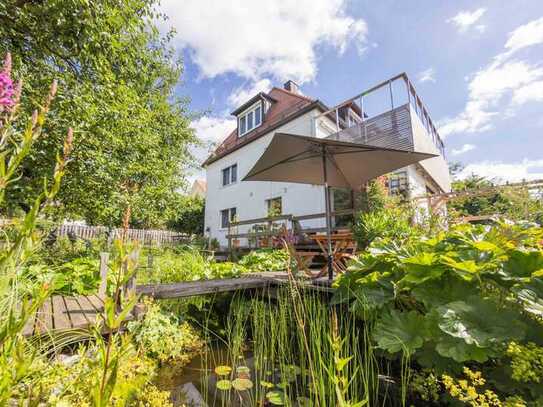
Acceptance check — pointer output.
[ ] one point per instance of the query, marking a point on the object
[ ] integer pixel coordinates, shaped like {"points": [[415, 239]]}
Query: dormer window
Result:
{"points": [[250, 119]]}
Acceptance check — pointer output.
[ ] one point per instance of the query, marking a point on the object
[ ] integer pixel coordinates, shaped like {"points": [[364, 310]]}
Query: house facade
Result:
{"points": [[286, 110]]}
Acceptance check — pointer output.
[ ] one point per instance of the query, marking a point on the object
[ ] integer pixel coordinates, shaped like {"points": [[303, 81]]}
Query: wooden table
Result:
{"points": [[343, 247]]}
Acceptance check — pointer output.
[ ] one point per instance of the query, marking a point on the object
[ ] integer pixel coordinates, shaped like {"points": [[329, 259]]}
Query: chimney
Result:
{"points": [[291, 86]]}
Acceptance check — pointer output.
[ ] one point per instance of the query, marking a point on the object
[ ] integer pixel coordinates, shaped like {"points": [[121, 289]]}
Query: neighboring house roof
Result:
{"points": [[199, 188], [286, 106]]}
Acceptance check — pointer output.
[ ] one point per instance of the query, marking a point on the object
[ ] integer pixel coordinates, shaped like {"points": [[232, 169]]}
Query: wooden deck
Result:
{"points": [[60, 313]]}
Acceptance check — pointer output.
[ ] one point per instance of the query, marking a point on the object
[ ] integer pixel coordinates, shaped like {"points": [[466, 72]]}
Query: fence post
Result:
{"points": [[104, 258], [130, 286]]}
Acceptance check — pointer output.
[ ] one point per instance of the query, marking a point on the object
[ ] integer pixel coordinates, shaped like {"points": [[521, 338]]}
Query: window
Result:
{"points": [[250, 119], [275, 206], [230, 175], [397, 183], [227, 216]]}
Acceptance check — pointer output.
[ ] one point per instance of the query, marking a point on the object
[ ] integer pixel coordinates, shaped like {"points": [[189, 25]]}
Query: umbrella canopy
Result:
{"points": [[332, 163], [293, 158]]}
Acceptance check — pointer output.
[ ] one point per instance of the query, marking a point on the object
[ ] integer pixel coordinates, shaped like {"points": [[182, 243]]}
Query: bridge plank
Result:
{"points": [[194, 288], [44, 318], [76, 313], [61, 319]]}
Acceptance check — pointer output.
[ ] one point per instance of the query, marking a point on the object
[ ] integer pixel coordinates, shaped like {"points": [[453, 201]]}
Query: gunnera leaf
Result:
{"points": [[421, 267], [400, 331], [531, 296], [447, 289], [480, 322], [522, 263], [458, 350]]}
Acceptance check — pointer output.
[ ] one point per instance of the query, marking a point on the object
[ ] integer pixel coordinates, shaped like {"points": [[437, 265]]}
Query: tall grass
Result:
{"points": [[312, 353]]}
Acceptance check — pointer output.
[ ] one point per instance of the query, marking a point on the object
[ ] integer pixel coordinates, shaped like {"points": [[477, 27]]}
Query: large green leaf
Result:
{"points": [[400, 331], [422, 267], [460, 351], [447, 289], [531, 296], [522, 263], [479, 322]]}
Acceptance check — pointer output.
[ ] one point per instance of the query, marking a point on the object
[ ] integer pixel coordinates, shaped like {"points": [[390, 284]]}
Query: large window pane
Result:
{"points": [[233, 214], [226, 176], [242, 127], [258, 116], [250, 121], [224, 218], [234, 173]]}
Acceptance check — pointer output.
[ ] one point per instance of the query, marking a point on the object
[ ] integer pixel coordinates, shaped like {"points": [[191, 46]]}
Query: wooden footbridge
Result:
{"points": [[60, 313]]}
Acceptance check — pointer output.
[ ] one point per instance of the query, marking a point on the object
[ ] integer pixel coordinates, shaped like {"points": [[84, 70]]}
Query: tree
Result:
{"points": [[189, 215], [117, 77]]}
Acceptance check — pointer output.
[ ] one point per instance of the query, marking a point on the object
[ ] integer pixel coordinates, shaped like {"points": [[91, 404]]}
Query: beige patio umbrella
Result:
{"points": [[332, 163]]}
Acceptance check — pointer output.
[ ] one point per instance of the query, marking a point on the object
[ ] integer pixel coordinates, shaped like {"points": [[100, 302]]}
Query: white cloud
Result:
{"points": [[428, 75], [526, 35], [464, 149], [256, 39], [503, 81], [529, 93], [500, 171], [243, 94], [465, 19], [212, 129]]}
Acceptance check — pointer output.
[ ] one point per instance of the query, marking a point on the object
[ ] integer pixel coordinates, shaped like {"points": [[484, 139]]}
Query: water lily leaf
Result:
{"points": [[267, 385], [243, 370], [277, 398], [224, 385], [400, 331], [223, 370], [242, 384]]}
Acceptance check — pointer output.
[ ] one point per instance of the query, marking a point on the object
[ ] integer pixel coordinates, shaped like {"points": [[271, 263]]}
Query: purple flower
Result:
{"points": [[6, 91]]}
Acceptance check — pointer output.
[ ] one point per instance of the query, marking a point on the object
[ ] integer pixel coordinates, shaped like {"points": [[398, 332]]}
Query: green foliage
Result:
{"points": [[513, 203], [117, 76], [162, 337], [188, 215], [265, 260], [526, 362], [459, 297], [390, 222]]}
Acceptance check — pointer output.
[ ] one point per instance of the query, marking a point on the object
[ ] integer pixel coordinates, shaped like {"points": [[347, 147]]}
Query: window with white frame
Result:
{"points": [[250, 119], [227, 216], [275, 206], [230, 175]]}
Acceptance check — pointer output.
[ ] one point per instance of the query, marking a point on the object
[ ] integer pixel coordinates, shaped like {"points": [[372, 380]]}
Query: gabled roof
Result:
{"points": [[286, 106], [254, 99]]}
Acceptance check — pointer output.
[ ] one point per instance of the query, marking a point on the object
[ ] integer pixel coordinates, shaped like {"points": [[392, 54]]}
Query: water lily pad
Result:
{"points": [[223, 370], [242, 384], [224, 385], [266, 384], [277, 398], [243, 370]]}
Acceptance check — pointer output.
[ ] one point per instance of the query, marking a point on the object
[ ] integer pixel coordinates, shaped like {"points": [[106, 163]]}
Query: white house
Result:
{"points": [[405, 124]]}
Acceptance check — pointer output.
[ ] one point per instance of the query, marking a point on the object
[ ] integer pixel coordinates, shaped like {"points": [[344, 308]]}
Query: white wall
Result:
{"points": [[249, 197], [437, 166]]}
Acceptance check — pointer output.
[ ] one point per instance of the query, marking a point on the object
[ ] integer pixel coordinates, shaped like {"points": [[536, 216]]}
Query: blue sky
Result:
{"points": [[478, 65]]}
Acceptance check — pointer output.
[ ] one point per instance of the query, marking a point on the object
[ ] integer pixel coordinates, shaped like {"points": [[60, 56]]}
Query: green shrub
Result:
{"points": [[393, 223], [163, 337], [458, 298], [265, 260]]}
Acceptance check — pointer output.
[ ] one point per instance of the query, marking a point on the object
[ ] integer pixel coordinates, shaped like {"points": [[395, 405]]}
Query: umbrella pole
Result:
{"points": [[328, 211]]}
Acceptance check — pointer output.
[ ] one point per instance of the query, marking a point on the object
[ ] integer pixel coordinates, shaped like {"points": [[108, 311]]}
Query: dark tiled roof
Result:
{"points": [[287, 106]]}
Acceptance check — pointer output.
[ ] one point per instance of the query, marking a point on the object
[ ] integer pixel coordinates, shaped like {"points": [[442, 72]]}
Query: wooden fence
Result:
{"points": [[145, 236]]}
